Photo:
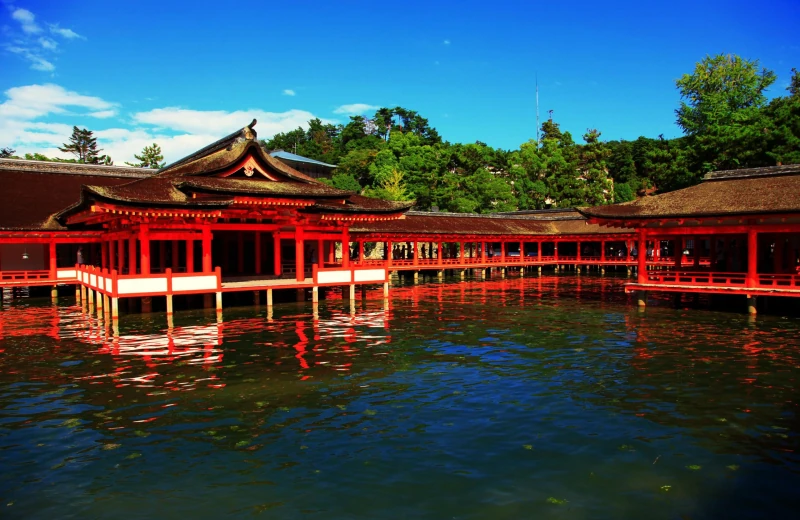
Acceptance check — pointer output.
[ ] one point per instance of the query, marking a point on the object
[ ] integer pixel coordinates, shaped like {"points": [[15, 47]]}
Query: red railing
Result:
{"points": [[21, 276], [782, 281], [697, 278]]}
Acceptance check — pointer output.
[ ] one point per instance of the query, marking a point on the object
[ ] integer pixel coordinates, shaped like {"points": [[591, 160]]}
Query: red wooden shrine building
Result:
{"points": [[231, 218]]}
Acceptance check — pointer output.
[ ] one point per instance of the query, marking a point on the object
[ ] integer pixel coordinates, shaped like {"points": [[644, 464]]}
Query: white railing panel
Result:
{"points": [[333, 276], [69, 273], [194, 283], [156, 285], [93, 281], [370, 275]]}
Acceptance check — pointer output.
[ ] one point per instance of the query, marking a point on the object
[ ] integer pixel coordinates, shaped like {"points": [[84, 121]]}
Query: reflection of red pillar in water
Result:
{"points": [[301, 345]]}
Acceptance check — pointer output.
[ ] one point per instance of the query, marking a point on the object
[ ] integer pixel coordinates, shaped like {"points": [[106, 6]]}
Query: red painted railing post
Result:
{"points": [[752, 258]]}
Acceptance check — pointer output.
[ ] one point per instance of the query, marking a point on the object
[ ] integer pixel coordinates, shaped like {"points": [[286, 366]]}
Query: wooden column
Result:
{"points": [[389, 253], [712, 253], [578, 250], [346, 248], [752, 258], [415, 256], [257, 245], [331, 248], [298, 254], [206, 249], [132, 254], [678, 253], [144, 241], [642, 258], [539, 250], [190, 256], [502, 251], [320, 252], [602, 250], [439, 259], [53, 261], [483, 252], [277, 266], [361, 252]]}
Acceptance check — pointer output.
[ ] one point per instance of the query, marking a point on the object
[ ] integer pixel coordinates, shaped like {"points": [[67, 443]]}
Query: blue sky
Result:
{"points": [[185, 73]]}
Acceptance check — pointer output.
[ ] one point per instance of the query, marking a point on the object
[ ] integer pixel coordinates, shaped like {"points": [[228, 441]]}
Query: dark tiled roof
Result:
{"points": [[418, 223], [29, 199], [753, 191], [247, 186], [24, 165]]}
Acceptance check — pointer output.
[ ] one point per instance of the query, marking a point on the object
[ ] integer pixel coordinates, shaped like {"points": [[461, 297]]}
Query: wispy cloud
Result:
{"points": [[289, 92], [31, 115], [29, 43], [48, 44], [64, 32], [36, 61], [355, 109], [446, 42], [27, 21]]}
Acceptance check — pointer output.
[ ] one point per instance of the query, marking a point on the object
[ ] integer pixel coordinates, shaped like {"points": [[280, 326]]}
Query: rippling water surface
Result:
{"points": [[536, 398]]}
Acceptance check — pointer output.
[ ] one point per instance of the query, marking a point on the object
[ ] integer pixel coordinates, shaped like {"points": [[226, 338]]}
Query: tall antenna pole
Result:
{"points": [[537, 110]]}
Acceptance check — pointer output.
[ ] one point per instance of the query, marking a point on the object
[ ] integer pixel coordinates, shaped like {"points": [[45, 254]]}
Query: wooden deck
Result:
{"points": [[263, 283]]}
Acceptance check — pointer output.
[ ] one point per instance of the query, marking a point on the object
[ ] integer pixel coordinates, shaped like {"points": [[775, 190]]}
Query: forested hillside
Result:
{"points": [[726, 117]]}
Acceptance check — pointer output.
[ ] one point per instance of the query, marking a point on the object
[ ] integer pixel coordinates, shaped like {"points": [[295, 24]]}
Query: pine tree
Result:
{"points": [[151, 157], [7, 153], [83, 145]]}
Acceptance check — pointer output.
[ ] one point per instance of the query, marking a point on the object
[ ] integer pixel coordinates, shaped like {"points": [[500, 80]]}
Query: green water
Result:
{"points": [[536, 398]]}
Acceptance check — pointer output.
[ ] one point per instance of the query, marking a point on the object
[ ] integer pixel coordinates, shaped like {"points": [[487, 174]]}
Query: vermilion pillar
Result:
{"points": [[206, 249], [389, 253], [752, 258], [602, 250], [539, 250], [642, 258], [415, 255], [346, 248], [132, 254], [361, 252], [277, 266], [53, 264], [320, 252], [190, 256], [144, 241], [298, 254], [439, 259]]}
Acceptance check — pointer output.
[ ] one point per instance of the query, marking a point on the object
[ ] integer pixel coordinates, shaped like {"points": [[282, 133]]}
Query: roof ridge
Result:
{"points": [[214, 147], [71, 168], [761, 171]]}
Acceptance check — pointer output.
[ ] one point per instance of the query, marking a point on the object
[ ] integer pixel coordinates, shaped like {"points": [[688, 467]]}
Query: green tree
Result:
{"points": [[593, 166], [345, 181], [83, 145], [721, 111], [151, 157]]}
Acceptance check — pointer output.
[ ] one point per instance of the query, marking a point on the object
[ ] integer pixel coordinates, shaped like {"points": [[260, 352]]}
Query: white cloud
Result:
{"points": [[27, 20], [37, 50], [289, 92], [25, 124], [36, 61], [446, 42], [48, 44], [355, 109], [33, 101], [64, 32], [220, 122]]}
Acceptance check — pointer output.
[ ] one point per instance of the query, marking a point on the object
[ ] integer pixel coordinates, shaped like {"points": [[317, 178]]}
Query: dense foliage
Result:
{"points": [[724, 112], [396, 155]]}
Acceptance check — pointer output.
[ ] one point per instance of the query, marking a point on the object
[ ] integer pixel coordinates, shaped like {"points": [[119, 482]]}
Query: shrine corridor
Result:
{"points": [[540, 397]]}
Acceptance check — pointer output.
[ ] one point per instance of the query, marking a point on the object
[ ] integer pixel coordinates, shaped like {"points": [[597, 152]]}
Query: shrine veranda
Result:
{"points": [[231, 218]]}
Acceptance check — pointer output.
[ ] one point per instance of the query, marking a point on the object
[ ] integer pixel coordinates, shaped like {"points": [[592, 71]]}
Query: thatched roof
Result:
{"points": [[754, 191]]}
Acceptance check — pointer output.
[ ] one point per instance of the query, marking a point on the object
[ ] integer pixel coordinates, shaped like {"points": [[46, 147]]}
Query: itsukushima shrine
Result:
{"points": [[231, 218]]}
